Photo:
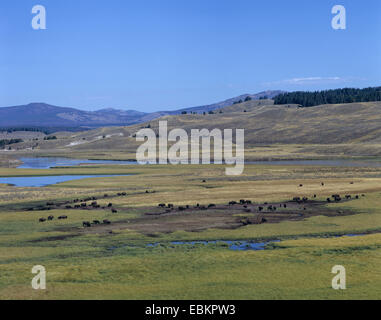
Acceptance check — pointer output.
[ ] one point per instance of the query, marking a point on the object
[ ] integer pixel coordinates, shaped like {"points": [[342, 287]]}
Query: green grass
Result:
{"points": [[82, 266]]}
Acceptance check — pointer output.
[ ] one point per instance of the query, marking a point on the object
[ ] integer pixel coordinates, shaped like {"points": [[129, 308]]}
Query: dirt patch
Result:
{"points": [[193, 218]]}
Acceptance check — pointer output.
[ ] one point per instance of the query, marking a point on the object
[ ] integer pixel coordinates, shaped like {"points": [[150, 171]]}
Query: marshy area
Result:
{"points": [[192, 232]]}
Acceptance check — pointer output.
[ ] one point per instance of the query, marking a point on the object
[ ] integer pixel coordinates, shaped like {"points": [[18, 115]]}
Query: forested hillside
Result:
{"points": [[346, 95]]}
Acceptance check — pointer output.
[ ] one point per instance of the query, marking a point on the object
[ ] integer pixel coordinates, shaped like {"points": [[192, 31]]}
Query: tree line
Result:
{"points": [[346, 95]]}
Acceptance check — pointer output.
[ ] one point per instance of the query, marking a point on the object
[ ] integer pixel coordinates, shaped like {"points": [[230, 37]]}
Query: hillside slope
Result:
{"points": [[264, 123]]}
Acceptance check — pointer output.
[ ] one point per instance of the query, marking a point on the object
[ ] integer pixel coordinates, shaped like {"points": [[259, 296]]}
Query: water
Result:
{"points": [[232, 245], [47, 163], [43, 181], [235, 245]]}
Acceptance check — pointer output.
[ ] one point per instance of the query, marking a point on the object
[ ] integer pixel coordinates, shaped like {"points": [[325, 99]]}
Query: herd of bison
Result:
{"points": [[251, 213]]}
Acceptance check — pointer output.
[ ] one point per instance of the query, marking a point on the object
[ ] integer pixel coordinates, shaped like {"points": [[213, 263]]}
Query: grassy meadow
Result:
{"points": [[114, 262]]}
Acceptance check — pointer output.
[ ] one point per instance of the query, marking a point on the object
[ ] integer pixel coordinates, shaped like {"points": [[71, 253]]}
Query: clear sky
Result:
{"points": [[153, 55]]}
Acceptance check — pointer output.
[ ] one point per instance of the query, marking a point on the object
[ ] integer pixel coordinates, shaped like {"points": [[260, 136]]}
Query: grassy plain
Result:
{"points": [[113, 262]]}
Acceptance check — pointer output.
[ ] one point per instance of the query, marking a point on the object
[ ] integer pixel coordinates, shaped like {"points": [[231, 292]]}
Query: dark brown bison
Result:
{"points": [[42, 220], [86, 224]]}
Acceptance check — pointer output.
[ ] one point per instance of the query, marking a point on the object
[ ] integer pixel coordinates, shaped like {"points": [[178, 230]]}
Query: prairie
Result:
{"points": [[114, 262]]}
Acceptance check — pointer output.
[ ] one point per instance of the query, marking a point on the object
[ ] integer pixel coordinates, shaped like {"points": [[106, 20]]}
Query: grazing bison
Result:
{"points": [[86, 224], [285, 205], [62, 217], [328, 200], [114, 211], [106, 221], [357, 197], [42, 220], [50, 218], [170, 205], [211, 205], [322, 183], [94, 203], [50, 204], [68, 207], [162, 205], [96, 222], [109, 205], [260, 209], [231, 203], [83, 205], [300, 185], [348, 197]]}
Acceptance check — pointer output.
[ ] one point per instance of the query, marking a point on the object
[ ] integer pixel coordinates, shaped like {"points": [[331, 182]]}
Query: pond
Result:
{"points": [[43, 181], [47, 163], [235, 245]]}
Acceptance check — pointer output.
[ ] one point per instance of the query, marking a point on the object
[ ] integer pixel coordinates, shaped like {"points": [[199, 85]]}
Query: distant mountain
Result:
{"points": [[48, 116], [43, 115]]}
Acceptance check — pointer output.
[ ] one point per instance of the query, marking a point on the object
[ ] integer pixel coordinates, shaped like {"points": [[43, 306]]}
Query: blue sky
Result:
{"points": [[159, 55]]}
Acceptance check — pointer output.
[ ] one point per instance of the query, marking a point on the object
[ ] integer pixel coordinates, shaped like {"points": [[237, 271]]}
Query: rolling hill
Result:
{"points": [[55, 118], [354, 124]]}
